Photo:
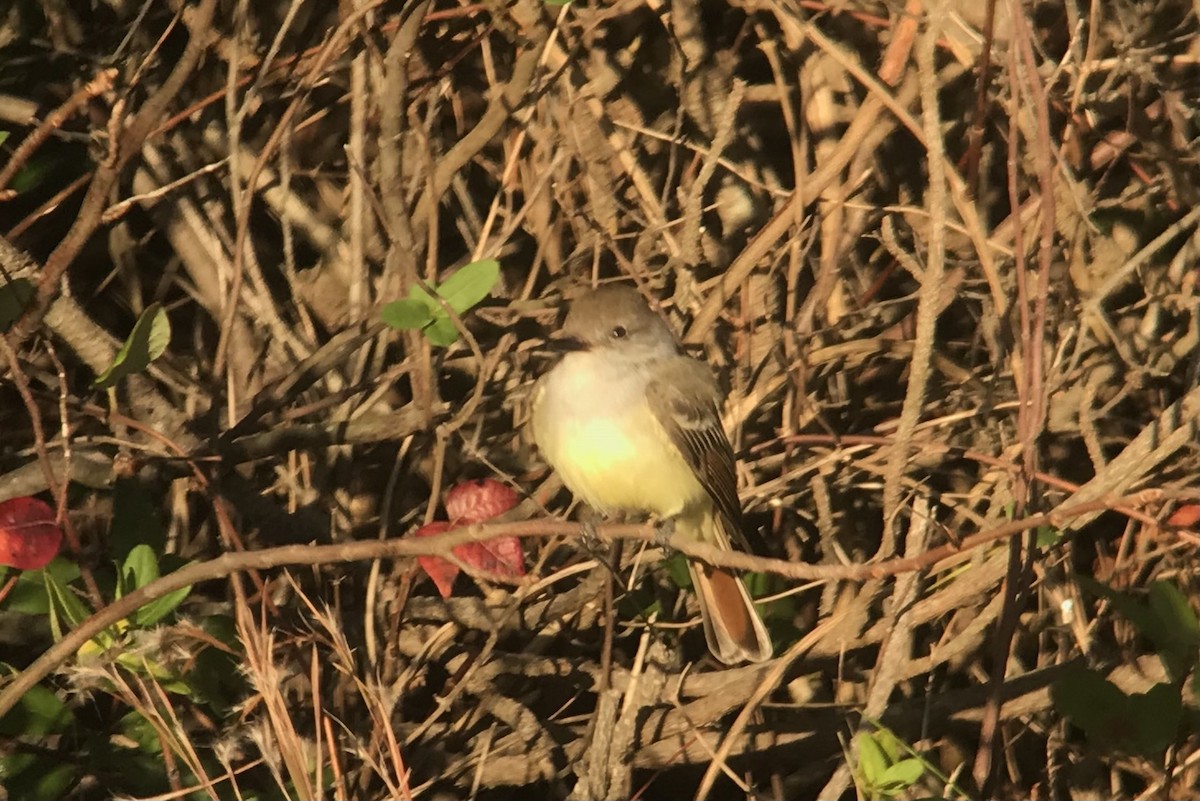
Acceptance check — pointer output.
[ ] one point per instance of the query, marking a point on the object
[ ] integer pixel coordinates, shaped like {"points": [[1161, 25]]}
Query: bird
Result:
{"points": [[631, 423]]}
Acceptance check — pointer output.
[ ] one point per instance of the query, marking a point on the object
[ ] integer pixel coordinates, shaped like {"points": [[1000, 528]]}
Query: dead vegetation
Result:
{"points": [[943, 255]]}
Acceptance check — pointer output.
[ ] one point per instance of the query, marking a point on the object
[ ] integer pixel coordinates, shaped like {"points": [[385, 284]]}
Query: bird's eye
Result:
{"points": [[618, 332]]}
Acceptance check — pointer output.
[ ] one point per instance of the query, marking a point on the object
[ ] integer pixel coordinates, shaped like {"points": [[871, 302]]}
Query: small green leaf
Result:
{"points": [[872, 761], [1048, 536], [1174, 613], [893, 747], [159, 608], [149, 339], [135, 726], [441, 331], [677, 568], [63, 602], [37, 775], [140, 568], [1094, 704], [406, 315], [904, 773], [461, 292], [14, 300], [1176, 633], [1156, 715], [3, 136], [29, 594], [38, 712], [470, 284]]}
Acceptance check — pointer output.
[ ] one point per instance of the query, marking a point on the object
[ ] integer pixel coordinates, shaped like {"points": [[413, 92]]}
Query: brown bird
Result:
{"points": [[632, 423]]}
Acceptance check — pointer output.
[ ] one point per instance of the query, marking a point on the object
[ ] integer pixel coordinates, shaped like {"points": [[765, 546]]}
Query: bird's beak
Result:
{"points": [[564, 343]]}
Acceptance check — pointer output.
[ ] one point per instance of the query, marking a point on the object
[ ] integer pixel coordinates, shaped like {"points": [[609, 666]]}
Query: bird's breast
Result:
{"points": [[597, 430]]}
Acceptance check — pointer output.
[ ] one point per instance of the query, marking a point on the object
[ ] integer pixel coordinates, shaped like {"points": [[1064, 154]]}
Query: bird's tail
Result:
{"points": [[732, 625]]}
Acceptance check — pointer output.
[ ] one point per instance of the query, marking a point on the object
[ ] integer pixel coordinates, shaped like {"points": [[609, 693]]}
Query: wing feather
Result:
{"points": [[684, 397]]}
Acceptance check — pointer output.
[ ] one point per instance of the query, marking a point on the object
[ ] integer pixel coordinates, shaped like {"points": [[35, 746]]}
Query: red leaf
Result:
{"points": [[29, 535], [502, 556], [478, 500], [474, 502], [442, 572], [1185, 516]]}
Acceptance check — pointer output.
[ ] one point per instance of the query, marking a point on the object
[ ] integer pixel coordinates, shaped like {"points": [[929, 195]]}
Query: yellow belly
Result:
{"points": [[626, 463]]}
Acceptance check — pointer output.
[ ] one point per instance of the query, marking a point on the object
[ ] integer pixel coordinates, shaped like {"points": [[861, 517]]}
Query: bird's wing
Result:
{"points": [[684, 398]]}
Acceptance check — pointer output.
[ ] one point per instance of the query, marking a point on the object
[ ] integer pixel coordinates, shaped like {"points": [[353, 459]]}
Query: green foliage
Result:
{"points": [[36, 775], [1142, 723], [38, 712], [141, 568], [29, 594], [677, 568], [461, 292], [1146, 723], [54, 749], [149, 339], [1048, 536], [887, 766]]}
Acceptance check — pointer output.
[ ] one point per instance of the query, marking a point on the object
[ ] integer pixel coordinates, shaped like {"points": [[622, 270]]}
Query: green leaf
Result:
{"points": [[872, 761], [442, 331], [135, 726], [149, 339], [904, 773], [1094, 704], [140, 568], [406, 315], [1156, 716], [1176, 632], [1048, 536], [14, 299], [36, 775], [64, 603], [470, 284], [38, 712], [29, 594], [461, 292], [893, 747], [1174, 613], [677, 568], [159, 608]]}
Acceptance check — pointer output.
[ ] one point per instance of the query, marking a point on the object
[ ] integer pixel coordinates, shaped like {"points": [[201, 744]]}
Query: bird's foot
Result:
{"points": [[589, 536], [664, 531]]}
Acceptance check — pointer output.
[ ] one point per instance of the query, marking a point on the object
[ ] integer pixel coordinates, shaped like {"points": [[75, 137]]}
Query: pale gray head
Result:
{"points": [[616, 320]]}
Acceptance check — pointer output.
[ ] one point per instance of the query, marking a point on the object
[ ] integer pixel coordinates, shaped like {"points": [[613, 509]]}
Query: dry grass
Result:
{"points": [[946, 267]]}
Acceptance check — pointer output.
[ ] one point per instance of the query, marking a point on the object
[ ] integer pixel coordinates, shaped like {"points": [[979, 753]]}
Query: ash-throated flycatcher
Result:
{"points": [[631, 423]]}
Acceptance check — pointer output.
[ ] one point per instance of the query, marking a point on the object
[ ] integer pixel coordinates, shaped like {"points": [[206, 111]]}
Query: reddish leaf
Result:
{"points": [[1185, 516], [479, 500], [442, 572], [474, 502], [502, 556], [29, 535]]}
